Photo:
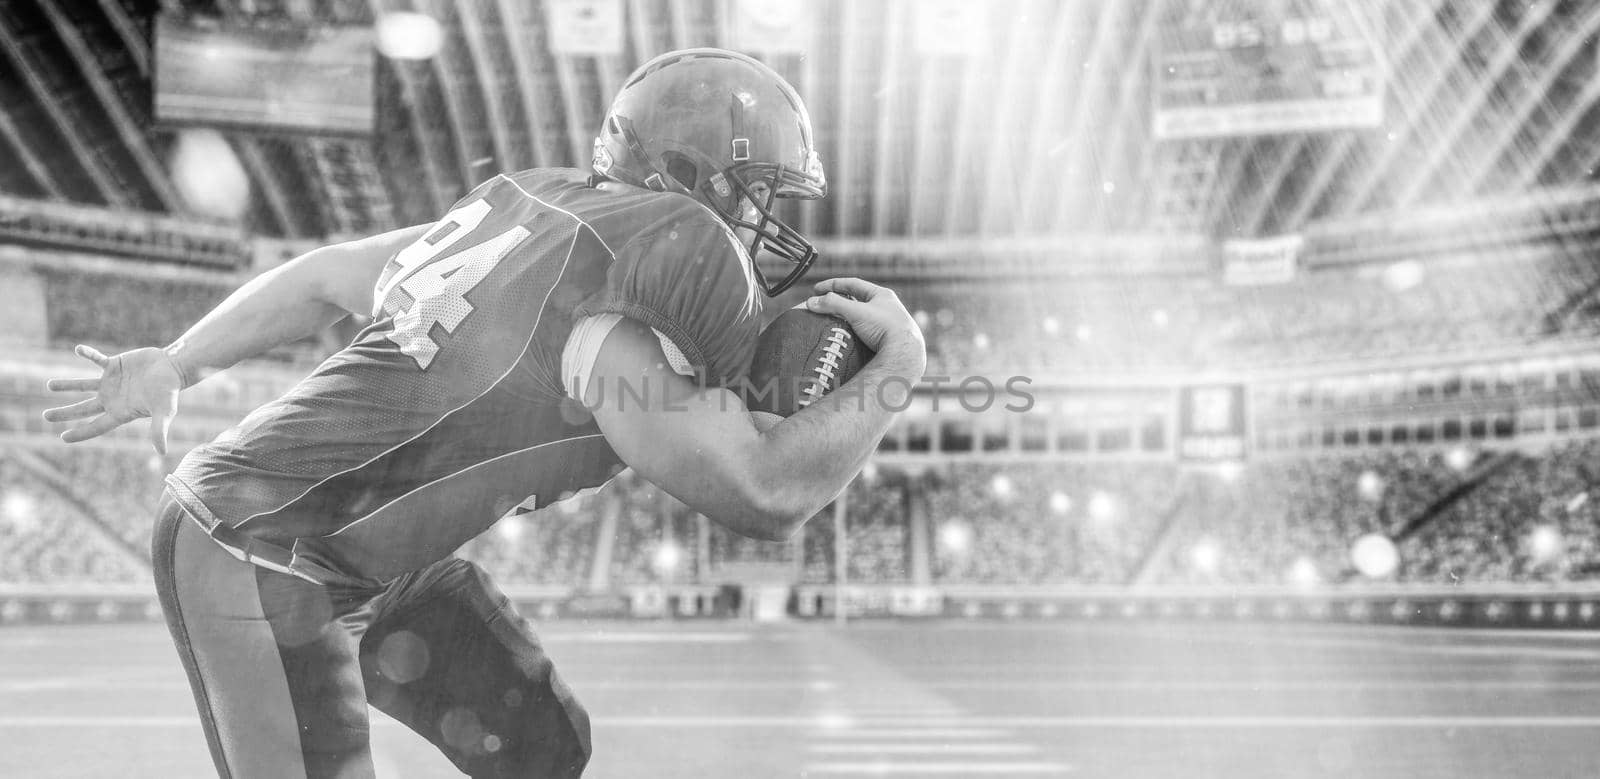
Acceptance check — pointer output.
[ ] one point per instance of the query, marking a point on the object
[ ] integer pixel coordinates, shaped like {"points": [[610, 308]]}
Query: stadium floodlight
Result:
{"points": [[1102, 507], [980, 341], [955, 537], [1060, 502], [922, 318], [667, 557], [1459, 458], [19, 510], [1304, 572], [1545, 543], [1230, 471], [869, 472], [1375, 556], [1370, 485], [1051, 325], [404, 35], [831, 721], [1206, 555], [1084, 333], [1001, 486], [208, 175], [1160, 318], [1403, 275]]}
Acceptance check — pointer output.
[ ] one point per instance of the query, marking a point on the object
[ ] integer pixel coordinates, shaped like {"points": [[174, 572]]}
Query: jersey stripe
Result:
{"points": [[462, 472], [541, 201]]}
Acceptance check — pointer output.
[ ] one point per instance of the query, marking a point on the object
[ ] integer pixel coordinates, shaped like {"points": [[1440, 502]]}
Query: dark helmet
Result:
{"points": [[714, 124]]}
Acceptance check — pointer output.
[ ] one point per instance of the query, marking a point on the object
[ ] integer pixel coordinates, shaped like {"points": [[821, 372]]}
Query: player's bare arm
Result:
{"points": [[703, 447], [290, 302]]}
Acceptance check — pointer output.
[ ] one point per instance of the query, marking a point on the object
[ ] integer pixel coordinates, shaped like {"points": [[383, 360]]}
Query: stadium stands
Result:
{"points": [[1287, 520], [1448, 304], [44, 539]]}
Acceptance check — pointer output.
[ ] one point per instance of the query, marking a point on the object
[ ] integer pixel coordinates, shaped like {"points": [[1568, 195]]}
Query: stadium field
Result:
{"points": [[974, 699]]}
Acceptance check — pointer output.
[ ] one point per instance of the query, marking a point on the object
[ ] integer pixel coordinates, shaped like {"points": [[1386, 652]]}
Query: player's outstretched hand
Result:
{"points": [[875, 313], [132, 385]]}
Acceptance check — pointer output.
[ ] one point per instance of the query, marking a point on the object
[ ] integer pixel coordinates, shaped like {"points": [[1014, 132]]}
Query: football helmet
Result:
{"points": [[726, 130]]}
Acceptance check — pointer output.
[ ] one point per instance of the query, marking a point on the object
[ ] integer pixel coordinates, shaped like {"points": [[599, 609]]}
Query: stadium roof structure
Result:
{"points": [[1043, 128]]}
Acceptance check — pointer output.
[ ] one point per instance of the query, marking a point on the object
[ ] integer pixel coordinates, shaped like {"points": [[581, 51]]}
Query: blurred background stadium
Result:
{"points": [[1301, 294]]}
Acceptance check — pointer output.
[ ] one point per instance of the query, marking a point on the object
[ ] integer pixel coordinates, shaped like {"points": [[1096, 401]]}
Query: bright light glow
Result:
{"points": [[1403, 275], [1102, 507], [1060, 502], [1052, 326], [980, 341], [1205, 555], [408, 36], [1000, 485], [922, 318], [1459, 458], [832, 721], [667, 557], [1577, 501], [1545, 543], [18, 508], [1159, 317], [955, 537], [1230, 471], [156, 463], [1084, 333], [1375, 556], [1108, 187], [1370, 485], [208, 175], [511, 529], [869, 472], [1304, 572]]}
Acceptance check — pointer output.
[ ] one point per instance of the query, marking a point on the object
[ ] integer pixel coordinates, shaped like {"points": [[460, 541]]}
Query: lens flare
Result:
{"points": [[1375, 556]]}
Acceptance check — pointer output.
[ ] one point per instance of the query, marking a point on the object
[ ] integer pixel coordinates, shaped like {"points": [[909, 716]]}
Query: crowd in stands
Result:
{"points": [[45, 540], [1053, 523], [1065, 327], [1493, 518]]}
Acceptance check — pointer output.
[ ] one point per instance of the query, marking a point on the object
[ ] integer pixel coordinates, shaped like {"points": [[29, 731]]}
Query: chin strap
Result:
{"points": [[657, 180]]}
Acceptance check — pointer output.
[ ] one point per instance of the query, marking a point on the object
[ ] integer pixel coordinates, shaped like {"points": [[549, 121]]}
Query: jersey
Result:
{"points": [[450, 411]]}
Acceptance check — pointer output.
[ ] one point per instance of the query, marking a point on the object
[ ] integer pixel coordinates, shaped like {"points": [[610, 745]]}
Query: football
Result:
{"points": [[801, 357]]}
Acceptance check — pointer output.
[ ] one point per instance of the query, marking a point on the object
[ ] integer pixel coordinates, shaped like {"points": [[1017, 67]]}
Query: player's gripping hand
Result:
{"points": [[132, 385], [877, 316]]}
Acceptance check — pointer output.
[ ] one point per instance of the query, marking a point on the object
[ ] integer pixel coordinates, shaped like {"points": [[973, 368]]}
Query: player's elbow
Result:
{"points": [[768, 514]]}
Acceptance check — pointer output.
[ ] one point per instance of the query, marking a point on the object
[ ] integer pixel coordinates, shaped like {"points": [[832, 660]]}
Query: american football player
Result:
{"points": [[304, 558]]}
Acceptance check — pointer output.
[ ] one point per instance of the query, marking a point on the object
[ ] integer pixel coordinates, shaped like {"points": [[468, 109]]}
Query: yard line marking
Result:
{"points": [[927, 750], [1359, 684], [905, 733], [963, 769], [106, 680], [656, 638], [91, 684], [691, 721]]}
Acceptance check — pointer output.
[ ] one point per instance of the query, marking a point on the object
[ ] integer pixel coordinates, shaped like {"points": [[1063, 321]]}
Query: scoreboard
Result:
{"points": [[264, 76], [1250, 67]]}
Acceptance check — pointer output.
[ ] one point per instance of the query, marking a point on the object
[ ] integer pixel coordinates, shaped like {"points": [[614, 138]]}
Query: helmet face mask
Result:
{"points": [[726, 130], [755, 188]]}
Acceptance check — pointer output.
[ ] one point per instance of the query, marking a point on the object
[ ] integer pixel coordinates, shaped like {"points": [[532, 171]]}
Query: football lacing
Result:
{"points": [[832, 354]]}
